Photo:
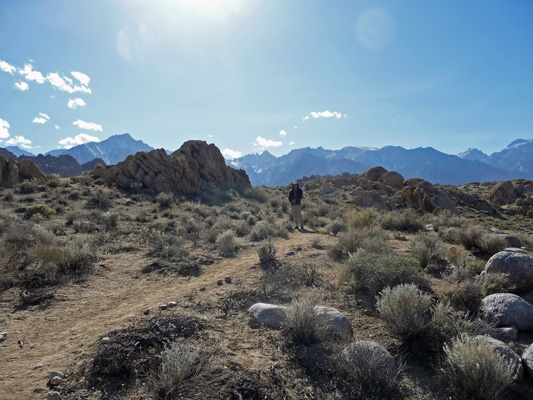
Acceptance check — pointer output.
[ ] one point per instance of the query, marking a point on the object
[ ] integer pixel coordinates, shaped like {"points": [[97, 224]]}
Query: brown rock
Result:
{"points": [[503, 193], [13, 172], [374, 173], [195, 167], [393, 179]]}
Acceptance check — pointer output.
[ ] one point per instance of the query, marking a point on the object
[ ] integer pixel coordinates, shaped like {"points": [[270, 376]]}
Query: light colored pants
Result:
{"points": [[296, 210]]}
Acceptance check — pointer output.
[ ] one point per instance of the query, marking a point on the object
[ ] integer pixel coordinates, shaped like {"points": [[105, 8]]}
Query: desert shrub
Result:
{"points": [[427, 250], [167, 246], [262, 230], [53, 181], [491, 283], [8, 195], [225, 243], [336, 226], [83, 225], [28, 186], [371, 239], [369, 372], [39, 209], [316, 243], [458, 274], [491, 244], [406, 221], [364, 218], [373, 272], [465, 296], [165, 199], [222, 223], [472, 369], [304, 322], [287, 226], [470, 236], [405, 308], [241, 228], [274, 203], [102, 199], [256, 193], [266, 252], [178, 364], [79, 259], [449, 234]]}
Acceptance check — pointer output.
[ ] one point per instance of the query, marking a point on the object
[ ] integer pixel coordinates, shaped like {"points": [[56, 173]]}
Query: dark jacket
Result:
{"points": [[298, 197]]}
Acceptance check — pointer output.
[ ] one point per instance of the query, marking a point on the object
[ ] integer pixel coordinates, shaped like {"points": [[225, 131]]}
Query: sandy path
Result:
{"points": [[61, 334]]}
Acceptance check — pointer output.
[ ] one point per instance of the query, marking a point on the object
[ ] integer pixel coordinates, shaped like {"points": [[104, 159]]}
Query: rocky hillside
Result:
{"points": [[194, 167]]}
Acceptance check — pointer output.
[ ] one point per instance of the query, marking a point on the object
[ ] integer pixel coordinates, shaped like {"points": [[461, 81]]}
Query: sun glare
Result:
{"points": [[208, 8]]}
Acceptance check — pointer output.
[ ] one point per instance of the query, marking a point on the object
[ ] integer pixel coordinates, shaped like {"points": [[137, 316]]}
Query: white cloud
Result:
{"points": [[41, 119], [66, 84], [30, 75], [82, 138], [87, 125], [57, 127], [324, 114], [7, 67], [291, 143], [283, 132], [264, 143], [230, 154], [4, 129], [22, 86], [75, 103], [211, 136], [19, 140], [84, 79]]}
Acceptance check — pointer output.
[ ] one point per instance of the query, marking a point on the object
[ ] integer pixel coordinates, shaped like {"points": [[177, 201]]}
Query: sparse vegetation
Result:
{"points": [[304, 322], [406, 221]]}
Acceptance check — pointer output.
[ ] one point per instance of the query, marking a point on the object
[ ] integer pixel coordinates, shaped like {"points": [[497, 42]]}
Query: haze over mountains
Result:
{"points": [[515, 161]]}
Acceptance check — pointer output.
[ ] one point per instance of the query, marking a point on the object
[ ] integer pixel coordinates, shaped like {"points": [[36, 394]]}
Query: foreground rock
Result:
{"points": [[13, 172], [273, 316], [507, 353], [508, 309], [357, 354], [195, 167], [517, 263], [527, 358]]}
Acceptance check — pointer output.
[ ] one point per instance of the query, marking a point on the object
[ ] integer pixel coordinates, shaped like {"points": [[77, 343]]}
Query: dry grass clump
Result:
{"points": [[370, 371], [304, 322], [365, 218], [472, 369], [165, 199], [266, 252], [166, 246], [255, 193], [465, 296], [477, 239], [262, 230], [406, 221], [225, 243], [373, 272], [102, 199], [405, 308], [427, 250], [371, 239], [336, 226]]}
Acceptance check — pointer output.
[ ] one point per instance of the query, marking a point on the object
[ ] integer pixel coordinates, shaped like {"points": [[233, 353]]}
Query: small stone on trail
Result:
{"points": [[220, 282], [202, 289], [172, 304], [227, 279], [4, 334], [147, 311], [291, 253], [53, 374], [105, 340], [53, 396], [163, 307], [2, 338], [38, 365], [56, 380]]}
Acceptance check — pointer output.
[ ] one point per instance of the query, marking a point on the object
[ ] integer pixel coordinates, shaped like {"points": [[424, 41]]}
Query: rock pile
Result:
{"points": [[195, 167], [13, 172], [515, 196]]}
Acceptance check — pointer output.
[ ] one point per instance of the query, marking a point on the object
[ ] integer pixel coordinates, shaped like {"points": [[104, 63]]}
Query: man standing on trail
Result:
{"points": [[295, 197]]}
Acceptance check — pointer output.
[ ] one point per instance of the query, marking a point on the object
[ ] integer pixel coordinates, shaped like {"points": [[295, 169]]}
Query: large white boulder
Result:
{"points": [[508, 309], [517, 264]]}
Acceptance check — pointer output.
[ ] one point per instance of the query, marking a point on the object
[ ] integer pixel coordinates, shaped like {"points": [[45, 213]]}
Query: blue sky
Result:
{"points": [[250, 75]]}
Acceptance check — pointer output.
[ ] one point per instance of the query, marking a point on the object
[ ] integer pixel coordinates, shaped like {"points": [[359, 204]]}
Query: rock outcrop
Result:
{"points": [[507, 309], [367, 354], [195, 167], [13, 172], [517, 263], [527, 358]]}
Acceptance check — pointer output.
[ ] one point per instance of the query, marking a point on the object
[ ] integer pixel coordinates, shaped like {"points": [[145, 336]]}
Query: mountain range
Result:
{"points": [[472, 165], [515, 161]]}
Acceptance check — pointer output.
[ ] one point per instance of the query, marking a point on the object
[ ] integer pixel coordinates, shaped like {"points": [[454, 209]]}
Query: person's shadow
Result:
{"points": [[304, 230]]}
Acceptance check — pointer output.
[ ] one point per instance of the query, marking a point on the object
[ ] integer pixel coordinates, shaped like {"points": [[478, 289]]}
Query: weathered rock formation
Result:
{"points": [[515, 197], [195, 167], [13, 172], [517, 263]]}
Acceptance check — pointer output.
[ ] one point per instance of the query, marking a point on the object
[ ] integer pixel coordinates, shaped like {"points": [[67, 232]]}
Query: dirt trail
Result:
{"points": [[57, 336]]}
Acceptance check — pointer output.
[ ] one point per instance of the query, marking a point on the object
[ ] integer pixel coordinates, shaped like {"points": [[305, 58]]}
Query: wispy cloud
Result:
{"points": [[82, 138], [19, 141], [31, 75], [264, 143], [57, 127], [6, 67], [84, 79], [231, 154], [87, 125], [291, 143], [75, 103], [324, 114], [22, 86], [283, 132], [66, 84], [4, 129], [41, 119]]}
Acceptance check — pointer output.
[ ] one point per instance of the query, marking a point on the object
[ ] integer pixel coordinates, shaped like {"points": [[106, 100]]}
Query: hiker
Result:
{"points": [[295, 197]]}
